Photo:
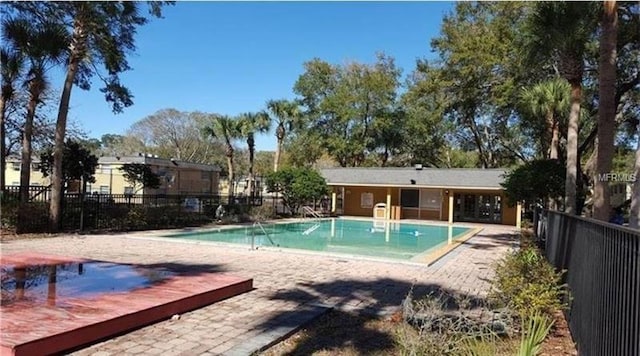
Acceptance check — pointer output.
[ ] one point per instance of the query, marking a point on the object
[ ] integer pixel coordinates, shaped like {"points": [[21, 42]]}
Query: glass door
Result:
{"points": [[478, 208]]}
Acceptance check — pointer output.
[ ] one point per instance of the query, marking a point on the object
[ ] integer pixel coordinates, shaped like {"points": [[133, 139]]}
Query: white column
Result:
{"points": [[450, 207], [387, 213]]}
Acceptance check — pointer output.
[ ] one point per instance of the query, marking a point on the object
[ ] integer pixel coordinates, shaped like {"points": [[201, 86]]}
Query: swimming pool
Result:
{"points": [[355, 237]]}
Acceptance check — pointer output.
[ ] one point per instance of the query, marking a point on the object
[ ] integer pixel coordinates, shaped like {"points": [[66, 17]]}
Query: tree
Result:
{"points": [[100, 33], [537, 181], [353, 108], [263, 162], [547, 100], [140, 176], [11, 64], [79, 163], [561, 31], [250, 124], [425, 130], [478, 74], [42, 47], [606, 110], [297, 186], [171, 133], [286, 114], [303, 148], [226, 129], [634, 214]]}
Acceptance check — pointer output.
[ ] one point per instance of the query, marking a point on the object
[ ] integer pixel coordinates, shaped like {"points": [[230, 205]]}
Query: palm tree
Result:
{"points": [[561, 31], [42, 47], [250, 124], [11, 63], [606, 109], [287, 115], [548, 99], [227, 129]]}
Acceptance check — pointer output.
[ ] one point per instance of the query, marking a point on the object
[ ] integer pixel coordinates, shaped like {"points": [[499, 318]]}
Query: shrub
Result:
{"points": [[262, 212], [9, 216], [525, 283], [534, 330], [136, 218]]}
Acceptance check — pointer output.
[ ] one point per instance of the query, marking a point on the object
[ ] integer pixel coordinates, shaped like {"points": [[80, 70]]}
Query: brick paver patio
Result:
{"points": [[290, 288]]}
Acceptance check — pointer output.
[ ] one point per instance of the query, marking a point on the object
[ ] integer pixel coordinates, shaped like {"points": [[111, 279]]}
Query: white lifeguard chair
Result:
{"points": [[380, 211]]}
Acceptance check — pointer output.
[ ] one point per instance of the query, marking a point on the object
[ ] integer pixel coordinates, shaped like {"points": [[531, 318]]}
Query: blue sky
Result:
{"points": [[232, 57]]}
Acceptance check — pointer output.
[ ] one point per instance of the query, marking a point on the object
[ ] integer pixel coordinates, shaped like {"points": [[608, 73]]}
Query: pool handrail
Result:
{"points": [[253, 234], [306, 210]]}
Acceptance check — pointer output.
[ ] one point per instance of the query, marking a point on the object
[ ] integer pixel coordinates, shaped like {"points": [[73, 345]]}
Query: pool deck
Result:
{"points": [[291, 288]]}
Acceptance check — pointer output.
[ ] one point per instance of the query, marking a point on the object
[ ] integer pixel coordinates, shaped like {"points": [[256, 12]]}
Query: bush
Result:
{"points": [[262, 213], [528, 285], [9, 216], [135, 219], [447, 324], [35, 217]]}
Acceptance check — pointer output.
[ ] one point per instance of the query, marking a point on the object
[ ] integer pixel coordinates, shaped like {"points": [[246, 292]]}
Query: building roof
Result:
{"points": [[162, 162], [419, 178]]}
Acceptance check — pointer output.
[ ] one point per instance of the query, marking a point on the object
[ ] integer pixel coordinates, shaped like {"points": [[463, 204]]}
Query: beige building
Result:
{"points": [[12, 173], [453, 195], [176, 177]]}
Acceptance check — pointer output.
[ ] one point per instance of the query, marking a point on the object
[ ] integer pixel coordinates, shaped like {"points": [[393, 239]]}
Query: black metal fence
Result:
{"points": [[118, 211], [602, 263]]}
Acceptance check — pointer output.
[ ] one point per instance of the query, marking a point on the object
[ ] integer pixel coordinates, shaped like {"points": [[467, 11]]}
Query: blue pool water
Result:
{"points": [[356, 237]]}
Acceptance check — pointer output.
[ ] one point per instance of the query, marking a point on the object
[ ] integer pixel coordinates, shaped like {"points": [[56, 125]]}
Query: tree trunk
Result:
{"points": [[553, 150], [280, 138], [634, 216], [606, 110], [478, 141], [77, 47], [231, 177], [555, 140], [572, 148], [25, 159], [3, 148], [252, 148]]}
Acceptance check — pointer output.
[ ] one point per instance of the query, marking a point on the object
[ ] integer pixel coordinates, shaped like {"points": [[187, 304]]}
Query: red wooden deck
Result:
{"points": [[30, 327]]}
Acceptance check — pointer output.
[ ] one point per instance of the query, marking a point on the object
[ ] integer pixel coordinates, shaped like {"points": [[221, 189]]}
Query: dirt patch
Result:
{"points": [[345, 334], [559, 341], [342, 334]]}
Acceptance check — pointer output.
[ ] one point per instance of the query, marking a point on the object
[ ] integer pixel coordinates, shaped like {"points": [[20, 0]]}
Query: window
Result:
{"points": [[128, 190], [366, 200], [106, 168], [409, 198], [430, 199], [104, 189]]}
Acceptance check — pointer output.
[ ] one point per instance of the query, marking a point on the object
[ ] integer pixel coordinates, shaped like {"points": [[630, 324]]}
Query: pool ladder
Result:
{"points": [[253, 234], [308, 211]]}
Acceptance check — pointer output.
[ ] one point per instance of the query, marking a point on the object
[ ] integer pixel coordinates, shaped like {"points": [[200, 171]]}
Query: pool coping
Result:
{"points": [[423, 259], [435, 253]]}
